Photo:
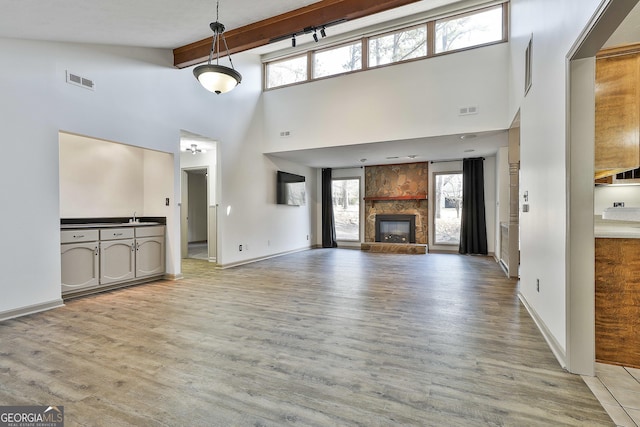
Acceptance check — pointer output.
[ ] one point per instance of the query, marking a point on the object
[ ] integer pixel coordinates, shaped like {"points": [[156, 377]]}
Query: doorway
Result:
{"points": [[198, 188], [196, 183]]}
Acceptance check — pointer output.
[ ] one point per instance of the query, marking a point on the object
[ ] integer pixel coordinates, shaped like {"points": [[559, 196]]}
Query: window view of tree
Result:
{"points": [[469, 30], [466, 30], [288, 71], [339, 60], [346, 208], [399, 46], [447, 207]]}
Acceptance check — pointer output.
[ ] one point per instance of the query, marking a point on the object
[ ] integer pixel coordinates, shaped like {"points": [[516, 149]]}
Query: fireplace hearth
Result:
{"points": [[396, 228]]}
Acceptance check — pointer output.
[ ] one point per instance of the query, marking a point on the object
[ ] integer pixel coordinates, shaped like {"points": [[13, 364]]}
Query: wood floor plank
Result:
{"points": [[326, 337]]}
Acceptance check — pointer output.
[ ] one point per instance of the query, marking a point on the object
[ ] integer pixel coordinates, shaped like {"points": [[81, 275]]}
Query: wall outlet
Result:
{"points": [[618, 204], [538, 285], [166, 201], [307, 237], [240, 248]]}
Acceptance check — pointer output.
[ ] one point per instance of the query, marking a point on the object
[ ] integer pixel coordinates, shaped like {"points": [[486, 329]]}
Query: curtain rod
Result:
{"points": [[454, 160]]}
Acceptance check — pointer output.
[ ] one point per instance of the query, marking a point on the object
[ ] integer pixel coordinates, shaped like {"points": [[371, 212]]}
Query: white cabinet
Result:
{"points": [[149, 251], [80, 259], [92, 258], [117, 255]]}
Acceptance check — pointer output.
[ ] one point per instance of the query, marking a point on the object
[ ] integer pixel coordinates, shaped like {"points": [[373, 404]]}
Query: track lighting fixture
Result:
{"points": [[323, 33], [315, 35], [293, 41]]}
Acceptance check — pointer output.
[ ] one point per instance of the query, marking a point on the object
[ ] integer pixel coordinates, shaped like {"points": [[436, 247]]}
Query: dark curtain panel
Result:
{"points": [[328, 223], [473, 227]]}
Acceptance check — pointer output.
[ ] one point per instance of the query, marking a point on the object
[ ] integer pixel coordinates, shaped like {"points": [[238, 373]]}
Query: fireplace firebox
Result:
{"points": [[396, 228]]}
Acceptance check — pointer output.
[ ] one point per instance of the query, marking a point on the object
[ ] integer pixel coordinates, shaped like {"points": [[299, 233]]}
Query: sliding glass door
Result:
{"points": [[447, 207], [346, 208]]}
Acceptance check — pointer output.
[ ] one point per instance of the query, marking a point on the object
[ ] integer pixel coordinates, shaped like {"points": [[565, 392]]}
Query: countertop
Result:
{"points": [[615, 229], [107, 225]]}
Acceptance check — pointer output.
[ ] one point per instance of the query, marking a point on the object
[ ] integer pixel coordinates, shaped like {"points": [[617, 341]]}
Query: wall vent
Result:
{"points": [[77, 80], [285, 134], [465, 111]]}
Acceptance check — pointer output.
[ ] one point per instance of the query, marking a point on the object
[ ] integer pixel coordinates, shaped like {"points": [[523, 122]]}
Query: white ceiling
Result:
{"points": [[154, 23], [173, 23]]}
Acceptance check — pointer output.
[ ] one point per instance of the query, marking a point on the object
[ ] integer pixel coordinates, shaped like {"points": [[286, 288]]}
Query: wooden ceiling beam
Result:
{"points": [[263, 32]]}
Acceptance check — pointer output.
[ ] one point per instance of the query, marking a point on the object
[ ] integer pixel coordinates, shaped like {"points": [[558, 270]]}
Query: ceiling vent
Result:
{"points": [[77, 80]]}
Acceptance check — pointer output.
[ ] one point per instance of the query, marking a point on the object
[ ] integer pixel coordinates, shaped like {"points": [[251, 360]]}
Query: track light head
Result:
{"points": [[323, 33], [293, 41], [315, 36]]}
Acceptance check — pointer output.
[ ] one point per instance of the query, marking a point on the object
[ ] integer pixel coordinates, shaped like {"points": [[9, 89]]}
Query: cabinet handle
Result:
{"points": [[96, 251], [78, 236], [117, 234]]}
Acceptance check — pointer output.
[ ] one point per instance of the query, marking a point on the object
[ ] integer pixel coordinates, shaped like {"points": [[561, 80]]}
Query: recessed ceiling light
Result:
{"points": [[363, 160], [468, 136], [392, 157], [412, 156], [469, 150]]}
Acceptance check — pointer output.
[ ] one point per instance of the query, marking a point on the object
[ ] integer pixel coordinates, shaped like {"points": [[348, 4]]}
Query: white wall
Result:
{"points": [[142, 101], [100, 179], [555, 27], [606, 195], [412, 100]]}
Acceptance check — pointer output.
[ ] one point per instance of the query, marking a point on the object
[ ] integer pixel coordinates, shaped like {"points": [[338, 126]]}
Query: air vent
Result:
{"points": [[285, 134], [80, 81], [465, 111]]}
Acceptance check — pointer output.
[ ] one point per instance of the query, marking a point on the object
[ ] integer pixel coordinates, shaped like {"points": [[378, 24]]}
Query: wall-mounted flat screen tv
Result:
{"points": [[291, 189]]}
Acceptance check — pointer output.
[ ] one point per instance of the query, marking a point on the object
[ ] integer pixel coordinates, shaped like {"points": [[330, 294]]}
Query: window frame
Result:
{"points": [[277, 61], [395, 31], [505, 28], [313, 53], [364, 40]]}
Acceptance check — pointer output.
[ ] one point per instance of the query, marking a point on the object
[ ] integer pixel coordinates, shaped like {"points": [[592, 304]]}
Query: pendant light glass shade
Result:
{"points": [[214, 77]]}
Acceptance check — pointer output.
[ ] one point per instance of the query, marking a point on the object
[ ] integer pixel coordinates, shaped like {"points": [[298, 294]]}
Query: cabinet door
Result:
{"points": [[149, 256], [117, 261], [617, 127], [79, 265]]}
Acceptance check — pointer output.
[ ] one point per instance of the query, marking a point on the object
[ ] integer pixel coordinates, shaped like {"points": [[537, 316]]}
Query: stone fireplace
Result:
{"points": [[400, 192]]}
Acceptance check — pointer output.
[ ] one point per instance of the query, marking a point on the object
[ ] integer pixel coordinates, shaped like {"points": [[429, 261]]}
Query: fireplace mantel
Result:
{"points": [[394, 198]]}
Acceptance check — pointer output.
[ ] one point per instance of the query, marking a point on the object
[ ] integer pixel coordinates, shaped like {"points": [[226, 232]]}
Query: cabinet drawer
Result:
{"points": [[116, 233], [77, 236], [150, 231]]}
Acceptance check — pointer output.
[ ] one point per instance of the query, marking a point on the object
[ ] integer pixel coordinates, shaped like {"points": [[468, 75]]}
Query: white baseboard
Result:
{"points": [[31, 309], [251, 260], [555, 347]]}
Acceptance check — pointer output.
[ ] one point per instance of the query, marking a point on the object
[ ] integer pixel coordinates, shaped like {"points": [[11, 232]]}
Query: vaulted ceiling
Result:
{"points": [[183, 26]]}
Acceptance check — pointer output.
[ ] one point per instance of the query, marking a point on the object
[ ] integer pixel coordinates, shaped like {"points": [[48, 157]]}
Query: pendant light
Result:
{"points": [[214, 77]]}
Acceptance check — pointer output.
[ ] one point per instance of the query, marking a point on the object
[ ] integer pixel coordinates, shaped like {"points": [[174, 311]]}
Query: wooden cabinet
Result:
{"points": [[617, 304], [80, 259], [617, 110], [150, 253]]}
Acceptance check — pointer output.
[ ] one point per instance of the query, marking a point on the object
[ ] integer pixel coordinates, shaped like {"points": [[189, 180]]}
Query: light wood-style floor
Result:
{"points": [[326, 337]]}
